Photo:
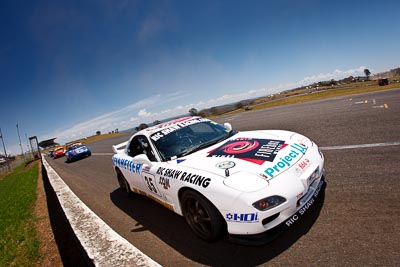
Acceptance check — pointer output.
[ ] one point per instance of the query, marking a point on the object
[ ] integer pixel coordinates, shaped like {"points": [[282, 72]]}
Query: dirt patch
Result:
{"points": [[30, 163]]}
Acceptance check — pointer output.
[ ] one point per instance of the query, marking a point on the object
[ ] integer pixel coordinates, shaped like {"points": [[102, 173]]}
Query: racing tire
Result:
{"points": [[123, 185], [202, 217]]}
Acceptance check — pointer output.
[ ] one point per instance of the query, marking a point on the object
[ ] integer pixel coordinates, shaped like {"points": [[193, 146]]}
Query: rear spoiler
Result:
{"points": [[120, 147]]}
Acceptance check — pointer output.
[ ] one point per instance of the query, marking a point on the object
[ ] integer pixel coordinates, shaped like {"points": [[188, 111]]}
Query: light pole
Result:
{"points": [[5, 152], [27, 144], [20, 142]]}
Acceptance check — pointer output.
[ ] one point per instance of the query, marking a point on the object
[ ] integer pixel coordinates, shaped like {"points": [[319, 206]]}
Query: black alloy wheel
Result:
{"points": [[202, 217]]}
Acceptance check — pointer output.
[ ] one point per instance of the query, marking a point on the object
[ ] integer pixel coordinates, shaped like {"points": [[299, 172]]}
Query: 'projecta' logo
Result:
{"points": [[296, 152]]}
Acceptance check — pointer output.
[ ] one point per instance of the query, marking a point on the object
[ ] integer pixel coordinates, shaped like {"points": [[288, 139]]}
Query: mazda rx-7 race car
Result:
{"points": [[77, 151], [223, 181], [59, 152]]}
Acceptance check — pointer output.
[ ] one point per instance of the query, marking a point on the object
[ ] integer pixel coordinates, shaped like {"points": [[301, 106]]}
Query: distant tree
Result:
{"points": [[116, 130], [98, 133], [156, 122], [141, 127], [202, 114], [367, 73], [239, 105], [193, 112]]}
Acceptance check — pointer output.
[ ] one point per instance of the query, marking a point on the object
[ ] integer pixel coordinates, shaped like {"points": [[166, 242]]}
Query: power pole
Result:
{"points": [[20, 142], [27, 143], [5, 152]]}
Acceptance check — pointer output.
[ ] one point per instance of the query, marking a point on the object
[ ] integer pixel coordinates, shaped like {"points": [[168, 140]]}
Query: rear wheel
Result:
{"points": [[202, 217], [123, 184]]}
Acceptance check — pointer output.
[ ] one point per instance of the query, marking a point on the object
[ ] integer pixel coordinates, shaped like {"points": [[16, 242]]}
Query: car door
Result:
{"points": [[143, 157]]}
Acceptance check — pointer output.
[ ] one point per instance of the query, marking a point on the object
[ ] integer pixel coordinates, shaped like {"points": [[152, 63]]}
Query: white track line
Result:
{"points": [[322, 148], [103, 245], [360, 146]]}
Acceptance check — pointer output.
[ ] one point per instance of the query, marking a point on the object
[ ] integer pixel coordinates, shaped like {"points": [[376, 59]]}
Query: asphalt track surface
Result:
{"points": [[355, 221]]}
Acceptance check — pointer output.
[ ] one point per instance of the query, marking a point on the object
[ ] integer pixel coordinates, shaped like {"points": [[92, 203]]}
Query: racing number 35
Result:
{"points": [[150, 183]]}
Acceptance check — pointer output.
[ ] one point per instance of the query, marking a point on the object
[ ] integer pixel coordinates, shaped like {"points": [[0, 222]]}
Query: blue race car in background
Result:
{"points": [[76, 151]]}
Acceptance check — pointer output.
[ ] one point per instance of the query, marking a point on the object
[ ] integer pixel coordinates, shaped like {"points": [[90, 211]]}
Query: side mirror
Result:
{"points": [[141, 159], [228, 126]]}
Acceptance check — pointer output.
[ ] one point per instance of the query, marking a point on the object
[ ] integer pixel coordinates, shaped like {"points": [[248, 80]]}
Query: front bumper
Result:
{"points": [[269, 235], [80, 155]]}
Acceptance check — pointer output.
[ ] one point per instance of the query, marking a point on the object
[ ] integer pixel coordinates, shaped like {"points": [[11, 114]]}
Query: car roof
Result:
{"points": [[75, 144], [159, 127]]}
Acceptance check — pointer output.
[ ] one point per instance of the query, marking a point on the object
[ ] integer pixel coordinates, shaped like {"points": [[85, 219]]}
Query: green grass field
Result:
{"points": [[19, 245]]}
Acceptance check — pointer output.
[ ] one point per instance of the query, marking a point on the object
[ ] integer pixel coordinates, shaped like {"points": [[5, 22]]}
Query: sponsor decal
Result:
{"points": [[303, 165], [300, 195], [150, 182], [187, 177], [254, 150], [146, 168], [164, 182], [286, 161], [305, 207], [242, 217], [127, 164], [174, 127], [226, 165]]}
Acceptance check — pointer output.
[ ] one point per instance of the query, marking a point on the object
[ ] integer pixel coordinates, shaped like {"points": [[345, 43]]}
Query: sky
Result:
{"points": [[70, 68]]}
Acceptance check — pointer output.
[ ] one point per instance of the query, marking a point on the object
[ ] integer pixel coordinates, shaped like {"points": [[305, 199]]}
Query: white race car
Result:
{"points": [[223, 181]]}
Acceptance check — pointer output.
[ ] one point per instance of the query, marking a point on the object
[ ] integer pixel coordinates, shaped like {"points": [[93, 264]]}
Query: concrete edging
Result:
{"points": [[103, 245]]}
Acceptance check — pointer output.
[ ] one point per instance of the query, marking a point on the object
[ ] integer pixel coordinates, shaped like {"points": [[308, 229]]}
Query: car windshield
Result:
{"points": [[178, 140], [75, 146]]}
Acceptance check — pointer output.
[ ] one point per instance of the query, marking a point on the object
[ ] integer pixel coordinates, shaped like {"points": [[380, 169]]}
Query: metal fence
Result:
{"points": [[14, 164]]}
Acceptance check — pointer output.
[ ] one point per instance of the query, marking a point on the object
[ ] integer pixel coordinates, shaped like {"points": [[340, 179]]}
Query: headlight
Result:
{"points": [[269, 203]]}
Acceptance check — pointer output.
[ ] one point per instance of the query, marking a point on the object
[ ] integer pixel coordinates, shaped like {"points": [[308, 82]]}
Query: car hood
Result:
{"points": [[259, 155]]}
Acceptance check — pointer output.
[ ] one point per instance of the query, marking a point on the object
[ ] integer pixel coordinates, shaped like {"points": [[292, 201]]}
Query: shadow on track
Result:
{"points": [[173, 230]]}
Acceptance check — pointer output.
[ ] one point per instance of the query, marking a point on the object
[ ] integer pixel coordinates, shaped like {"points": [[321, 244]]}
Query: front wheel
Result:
{"points": [[202, 217]]}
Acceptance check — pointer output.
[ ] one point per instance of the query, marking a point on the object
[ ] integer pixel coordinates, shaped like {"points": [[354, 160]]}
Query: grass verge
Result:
{"points": [[320, 95], [19, 245]]}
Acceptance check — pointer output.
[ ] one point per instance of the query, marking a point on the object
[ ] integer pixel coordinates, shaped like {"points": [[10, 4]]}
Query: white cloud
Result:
{"points": [[144, 113], [336, 75], [148, 109], [106, 122]]}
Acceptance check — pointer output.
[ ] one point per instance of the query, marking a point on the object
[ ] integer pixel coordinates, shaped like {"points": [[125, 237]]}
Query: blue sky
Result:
{"points": [[71, 68]]}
